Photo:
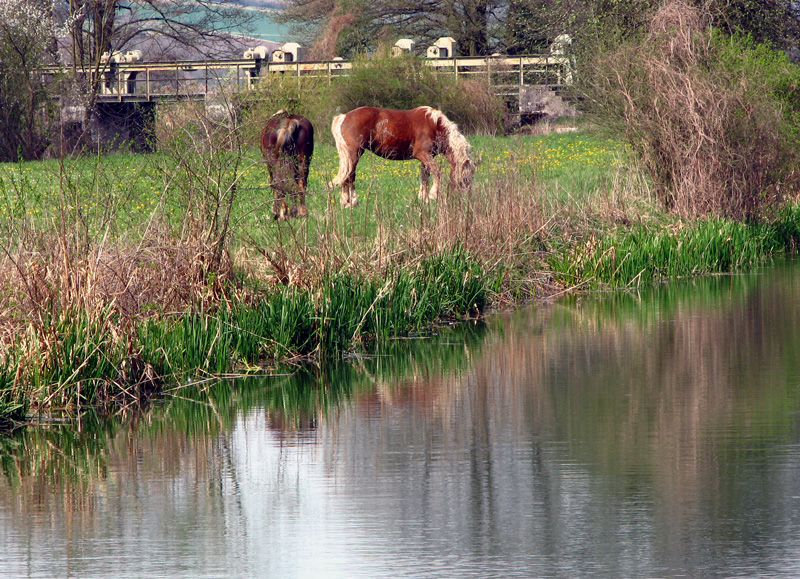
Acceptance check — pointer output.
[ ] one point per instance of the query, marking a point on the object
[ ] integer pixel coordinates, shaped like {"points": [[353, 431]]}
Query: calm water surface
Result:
{"points": [[637, 435]]}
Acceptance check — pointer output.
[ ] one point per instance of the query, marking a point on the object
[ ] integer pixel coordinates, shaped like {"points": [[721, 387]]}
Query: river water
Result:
{"points": [[651, 434]]}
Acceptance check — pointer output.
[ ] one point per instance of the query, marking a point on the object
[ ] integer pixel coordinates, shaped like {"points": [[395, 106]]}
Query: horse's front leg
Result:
{"points": [[429, 167], [424, 177]]}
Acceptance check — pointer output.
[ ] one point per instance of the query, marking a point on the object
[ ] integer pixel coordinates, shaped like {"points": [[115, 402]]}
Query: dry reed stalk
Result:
{"points": [[159, 276], [708, 137]]}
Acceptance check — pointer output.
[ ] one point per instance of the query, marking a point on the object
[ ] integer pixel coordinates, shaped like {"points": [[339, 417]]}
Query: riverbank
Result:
{"points": [[124, 275]]}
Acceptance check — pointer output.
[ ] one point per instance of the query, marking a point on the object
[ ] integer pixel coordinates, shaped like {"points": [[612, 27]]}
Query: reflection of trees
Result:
{"points": [[645, 388], [534, 439], [571, 411]]}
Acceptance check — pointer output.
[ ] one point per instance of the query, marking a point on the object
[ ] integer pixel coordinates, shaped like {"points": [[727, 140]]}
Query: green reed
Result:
{"points": [[648, 252], [349, 312]]}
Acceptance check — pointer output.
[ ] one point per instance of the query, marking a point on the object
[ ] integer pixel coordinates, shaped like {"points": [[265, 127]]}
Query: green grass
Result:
{"points": [[124, 192]]}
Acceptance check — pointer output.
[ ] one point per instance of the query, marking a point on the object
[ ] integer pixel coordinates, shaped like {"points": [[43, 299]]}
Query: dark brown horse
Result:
{"points": [[420, 133], [287, 144]]}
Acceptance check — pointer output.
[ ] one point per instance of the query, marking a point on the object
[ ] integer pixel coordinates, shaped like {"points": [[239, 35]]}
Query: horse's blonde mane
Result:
{"points": [[458, 146], [457, 143]]}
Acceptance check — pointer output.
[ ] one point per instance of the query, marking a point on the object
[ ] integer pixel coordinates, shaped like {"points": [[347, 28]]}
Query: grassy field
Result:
{"points": [[122, 274], [122, 193]]}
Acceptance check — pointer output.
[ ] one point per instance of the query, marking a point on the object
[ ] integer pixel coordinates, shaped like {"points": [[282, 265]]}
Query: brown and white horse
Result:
{"points": [[287, 144], [421, 133]]}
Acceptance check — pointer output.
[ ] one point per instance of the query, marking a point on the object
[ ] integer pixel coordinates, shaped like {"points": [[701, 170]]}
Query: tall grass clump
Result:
{"points": [[279, 326], [648, 253], [354, 309], [13, 405], [712, 117]]}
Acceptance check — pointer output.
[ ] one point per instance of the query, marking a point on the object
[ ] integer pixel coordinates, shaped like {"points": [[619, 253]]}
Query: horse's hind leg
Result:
{"points": [[424, 177], [299, 196], [349, 197], [348, 159], [301, 183]]}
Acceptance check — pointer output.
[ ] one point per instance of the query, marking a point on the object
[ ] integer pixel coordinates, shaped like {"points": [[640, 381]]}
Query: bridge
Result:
{"points": [[180, 80], [129, 87]]}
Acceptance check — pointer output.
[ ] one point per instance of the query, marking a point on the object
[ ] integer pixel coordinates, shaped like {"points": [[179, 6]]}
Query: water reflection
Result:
{"points": [[635, 435]]}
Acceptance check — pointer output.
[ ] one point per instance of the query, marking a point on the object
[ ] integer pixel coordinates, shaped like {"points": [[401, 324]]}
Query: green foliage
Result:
{"points": [[771, 76], [13, 404], [24, 33]]}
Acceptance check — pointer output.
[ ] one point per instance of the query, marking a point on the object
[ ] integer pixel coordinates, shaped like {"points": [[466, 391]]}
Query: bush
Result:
{"points": [[405, 82], [382, 80], [24, 33], [309, 96], [704, 112]]}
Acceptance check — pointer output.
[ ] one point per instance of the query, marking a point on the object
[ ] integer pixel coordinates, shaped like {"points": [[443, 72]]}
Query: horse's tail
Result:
{"points": [[345, 162], [287, 134]]}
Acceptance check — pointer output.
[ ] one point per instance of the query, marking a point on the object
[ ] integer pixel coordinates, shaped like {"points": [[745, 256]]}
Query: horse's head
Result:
{"points": [[461, 173]]}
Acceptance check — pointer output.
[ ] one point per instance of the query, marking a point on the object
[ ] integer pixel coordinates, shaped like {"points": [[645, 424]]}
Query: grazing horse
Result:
{"points": [[287, 144], [421, 133]]}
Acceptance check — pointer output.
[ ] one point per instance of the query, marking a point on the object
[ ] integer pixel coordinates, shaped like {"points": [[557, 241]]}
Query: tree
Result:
{"points": [[713, 118], [160, 28], [776, 22], [25, 31], [519, 26], [80, 34], [526, 27], [332, 22]]}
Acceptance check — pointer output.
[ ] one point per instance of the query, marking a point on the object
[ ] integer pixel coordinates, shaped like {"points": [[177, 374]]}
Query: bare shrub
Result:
{"points": [[705, 123], [324, 47], [202, 165], [79, 277], [475, 107]]}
